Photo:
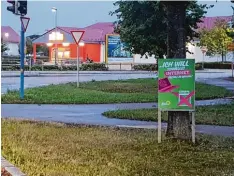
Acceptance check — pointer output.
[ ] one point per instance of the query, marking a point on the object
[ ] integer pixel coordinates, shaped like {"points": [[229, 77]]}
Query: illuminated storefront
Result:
{"points": [[93, 39]]}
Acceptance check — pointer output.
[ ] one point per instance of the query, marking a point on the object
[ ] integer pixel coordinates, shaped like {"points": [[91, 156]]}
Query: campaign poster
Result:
{"points": [[176, 84]]}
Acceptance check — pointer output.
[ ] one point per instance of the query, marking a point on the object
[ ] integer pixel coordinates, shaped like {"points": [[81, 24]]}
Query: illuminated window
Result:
{"points": [[60, 54], [49, 44], [66, 54], [66, 44], [53, 36]]}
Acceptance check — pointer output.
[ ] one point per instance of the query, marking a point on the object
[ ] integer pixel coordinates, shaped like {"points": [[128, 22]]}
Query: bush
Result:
{"points": [[83, 67], [198, 66], [94, 67], [146, 67], [217, 65]]}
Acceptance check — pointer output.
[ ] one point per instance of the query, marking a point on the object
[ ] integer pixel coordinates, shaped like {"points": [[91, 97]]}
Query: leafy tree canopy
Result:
{"points": [[3, 46], [143, 24], [216, 39]]}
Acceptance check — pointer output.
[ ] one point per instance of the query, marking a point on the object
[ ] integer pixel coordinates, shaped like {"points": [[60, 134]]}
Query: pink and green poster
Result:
{"points": [[176, 84]]}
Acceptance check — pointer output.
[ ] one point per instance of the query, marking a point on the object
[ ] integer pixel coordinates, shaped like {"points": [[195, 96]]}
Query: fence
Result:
{"points": [[13, 64]]}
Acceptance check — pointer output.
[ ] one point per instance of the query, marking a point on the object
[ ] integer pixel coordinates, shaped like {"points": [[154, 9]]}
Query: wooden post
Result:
{"points": [[159, 126], [193, 127]]}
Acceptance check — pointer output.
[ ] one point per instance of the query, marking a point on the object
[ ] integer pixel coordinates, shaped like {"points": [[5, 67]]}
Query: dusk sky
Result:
{"points": [[79, 14]]}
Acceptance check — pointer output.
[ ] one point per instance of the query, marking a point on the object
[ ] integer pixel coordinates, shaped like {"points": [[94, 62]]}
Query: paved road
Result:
{"points": [[46, 78], [12, 83], [92, 114]]}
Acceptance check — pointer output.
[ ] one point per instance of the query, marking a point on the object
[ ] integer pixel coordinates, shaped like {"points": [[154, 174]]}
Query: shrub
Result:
{"points": [[94, 67], [146, 67], [198, 66], [217, 65]]}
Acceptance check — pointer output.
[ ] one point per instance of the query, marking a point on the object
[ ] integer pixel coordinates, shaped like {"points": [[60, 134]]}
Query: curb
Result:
{"points": [[14, 171]]}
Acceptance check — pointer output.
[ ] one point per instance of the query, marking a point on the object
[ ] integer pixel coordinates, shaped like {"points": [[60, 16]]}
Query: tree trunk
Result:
{"points": [[222, 57], [179, 125]]}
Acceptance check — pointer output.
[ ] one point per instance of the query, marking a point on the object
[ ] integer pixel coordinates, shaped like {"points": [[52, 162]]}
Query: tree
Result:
{"points": [[143, 25], [216, 39], [44, 49], [29, 46], [3, 46], [178, 122], [161, 27]]}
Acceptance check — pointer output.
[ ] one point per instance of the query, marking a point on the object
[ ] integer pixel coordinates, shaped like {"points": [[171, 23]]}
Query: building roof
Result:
{"points": [[208, 22], [90, 35], [93, 33], [13, 36]]}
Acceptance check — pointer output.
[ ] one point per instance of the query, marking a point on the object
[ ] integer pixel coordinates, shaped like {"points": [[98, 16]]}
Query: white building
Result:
{"points": [[12, 39]]}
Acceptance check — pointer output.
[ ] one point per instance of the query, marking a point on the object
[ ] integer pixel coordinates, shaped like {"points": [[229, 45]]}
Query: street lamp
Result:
{"points": [[54, 10], [6, 35]]}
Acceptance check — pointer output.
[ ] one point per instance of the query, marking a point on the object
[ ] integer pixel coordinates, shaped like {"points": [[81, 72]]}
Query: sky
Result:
{"points": [[79, 14]]}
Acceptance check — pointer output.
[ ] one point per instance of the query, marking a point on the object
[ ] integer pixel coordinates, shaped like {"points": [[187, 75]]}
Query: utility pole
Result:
{"points": [[19, 7]]}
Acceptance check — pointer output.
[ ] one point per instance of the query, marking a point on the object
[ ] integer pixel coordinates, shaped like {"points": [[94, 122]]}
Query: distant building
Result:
{"points": [[95, 44], [12, 39]]}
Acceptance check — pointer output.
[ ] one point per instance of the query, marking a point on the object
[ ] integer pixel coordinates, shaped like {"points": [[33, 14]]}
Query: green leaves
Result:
{"points": [[143, 25], [216, 39], [3, 46]]}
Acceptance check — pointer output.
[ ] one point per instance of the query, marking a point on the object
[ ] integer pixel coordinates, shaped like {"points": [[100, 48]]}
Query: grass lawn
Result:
{"points": [[209, 115], [123, 91], [61, 150]]}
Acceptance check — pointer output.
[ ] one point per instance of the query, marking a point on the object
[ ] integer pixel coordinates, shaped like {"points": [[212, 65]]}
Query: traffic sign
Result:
{"points": [[204, 49], [77, 35], [25, 21]]}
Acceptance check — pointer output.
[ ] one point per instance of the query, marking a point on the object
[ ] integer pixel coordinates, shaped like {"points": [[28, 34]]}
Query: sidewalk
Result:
{"points": [[218, 82]]}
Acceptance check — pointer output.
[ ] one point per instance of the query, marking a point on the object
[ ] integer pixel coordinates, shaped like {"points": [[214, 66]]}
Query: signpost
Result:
{"points": [[77, 35], [176, 88], [24, 25]]}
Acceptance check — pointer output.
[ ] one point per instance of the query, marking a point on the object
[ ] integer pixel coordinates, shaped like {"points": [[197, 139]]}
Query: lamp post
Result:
{"points": [[81, 44], [6, 35], [53, 9]]}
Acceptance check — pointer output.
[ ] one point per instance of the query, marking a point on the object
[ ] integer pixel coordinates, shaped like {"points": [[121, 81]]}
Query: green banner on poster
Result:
{"points": [[176, 84]]}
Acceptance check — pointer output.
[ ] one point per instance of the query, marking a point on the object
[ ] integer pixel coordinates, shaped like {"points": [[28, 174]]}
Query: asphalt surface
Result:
{"points": [[10, 80], [92, 115], [13, 83]]}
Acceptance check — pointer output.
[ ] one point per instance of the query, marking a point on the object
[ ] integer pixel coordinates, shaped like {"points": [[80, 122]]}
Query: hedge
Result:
{"points": [[146, 67], [217, 65], [87, 67], [198, 66], [94, 67]]}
